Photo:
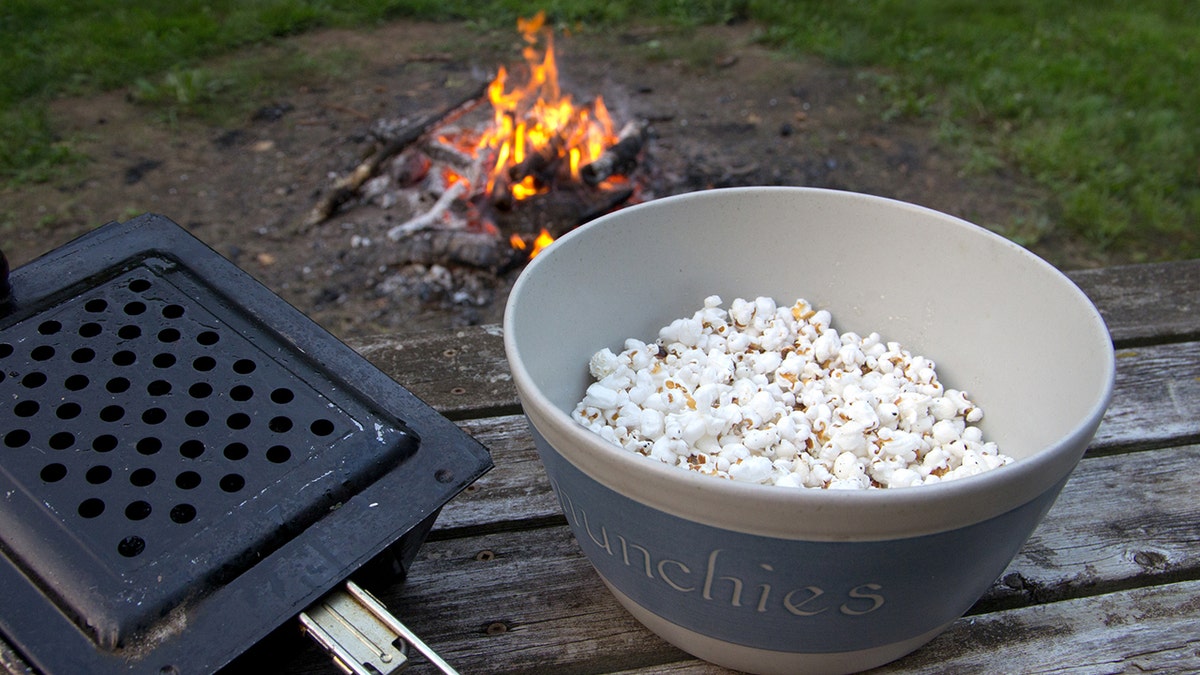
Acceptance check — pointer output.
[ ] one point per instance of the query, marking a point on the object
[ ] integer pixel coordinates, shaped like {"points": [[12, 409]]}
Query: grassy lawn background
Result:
{"points": [[1096, 101]]}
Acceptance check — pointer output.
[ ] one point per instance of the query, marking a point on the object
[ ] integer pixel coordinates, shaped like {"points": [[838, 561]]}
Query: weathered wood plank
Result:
{"points": [[461, 373], [515, 491], [1121, 521], [1142, 303], [1137, 631], [1156, 398]]}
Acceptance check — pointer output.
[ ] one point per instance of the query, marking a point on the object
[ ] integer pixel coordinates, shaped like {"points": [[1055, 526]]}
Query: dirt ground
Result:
{"points": [[722, 112]]}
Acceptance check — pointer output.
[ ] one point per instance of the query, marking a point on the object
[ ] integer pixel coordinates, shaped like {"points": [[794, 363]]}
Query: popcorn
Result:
{"points": [[777, 396]]}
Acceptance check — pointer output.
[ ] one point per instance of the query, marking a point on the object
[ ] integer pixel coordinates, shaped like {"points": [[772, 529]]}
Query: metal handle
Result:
{"points": [[361, 635]]}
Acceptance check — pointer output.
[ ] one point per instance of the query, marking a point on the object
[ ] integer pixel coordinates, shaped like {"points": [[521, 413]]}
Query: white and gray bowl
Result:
{"points": [[769, 579]]}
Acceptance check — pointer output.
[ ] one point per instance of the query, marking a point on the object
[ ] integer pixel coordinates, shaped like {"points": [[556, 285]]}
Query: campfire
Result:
{"points": [[493, 179]]}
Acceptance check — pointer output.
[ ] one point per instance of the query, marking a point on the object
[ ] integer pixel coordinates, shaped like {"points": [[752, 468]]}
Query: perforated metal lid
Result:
{"points": [[186, 461]]}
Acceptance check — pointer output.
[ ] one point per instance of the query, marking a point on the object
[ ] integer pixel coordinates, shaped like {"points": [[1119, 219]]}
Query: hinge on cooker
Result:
{"points": [[361, 635]]}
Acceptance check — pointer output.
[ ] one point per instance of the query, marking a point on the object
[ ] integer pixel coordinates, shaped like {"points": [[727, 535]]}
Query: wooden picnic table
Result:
{"points": [[1110, 581]]}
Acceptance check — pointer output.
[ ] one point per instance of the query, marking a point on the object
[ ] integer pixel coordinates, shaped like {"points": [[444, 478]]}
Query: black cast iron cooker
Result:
{"points": [[187, 461]]}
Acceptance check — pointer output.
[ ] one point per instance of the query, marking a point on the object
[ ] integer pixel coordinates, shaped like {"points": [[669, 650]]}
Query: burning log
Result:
{"points": [[542, 164], [621, 158], [346, 188]]}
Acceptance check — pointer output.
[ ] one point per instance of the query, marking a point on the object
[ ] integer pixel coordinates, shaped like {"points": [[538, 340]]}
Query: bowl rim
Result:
{"points": [[972, 498]]}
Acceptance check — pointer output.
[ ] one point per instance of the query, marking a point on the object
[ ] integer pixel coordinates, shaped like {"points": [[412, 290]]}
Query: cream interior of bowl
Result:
{"points": [[1000, 323]]}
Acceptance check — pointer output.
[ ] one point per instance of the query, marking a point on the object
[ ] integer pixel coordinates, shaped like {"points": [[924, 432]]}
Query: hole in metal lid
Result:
{"points": [[236, 451], [76, 382], [149, 445], [232, 482], [124, 357], [321, 427], [62, 440], [278, 454], [131, 546], [112, 413], [117, 385], [16, 438], [91, 507], [54, 472], [26, 408], [142, 477], [33, 380], [138, 510], [105, 443], [188, 480], [183, 513], [191, 448], [68, 411]]}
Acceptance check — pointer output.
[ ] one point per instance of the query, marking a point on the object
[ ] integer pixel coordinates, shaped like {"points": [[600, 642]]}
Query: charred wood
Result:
{"points": [[542, 164], [612, 199], [620, 159]]}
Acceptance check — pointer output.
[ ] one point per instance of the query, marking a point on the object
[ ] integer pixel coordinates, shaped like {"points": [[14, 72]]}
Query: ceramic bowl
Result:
{"points": [[769, 579]]}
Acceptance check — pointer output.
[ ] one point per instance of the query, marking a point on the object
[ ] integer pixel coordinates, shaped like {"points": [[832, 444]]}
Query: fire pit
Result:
{"points": [[491, 185]]}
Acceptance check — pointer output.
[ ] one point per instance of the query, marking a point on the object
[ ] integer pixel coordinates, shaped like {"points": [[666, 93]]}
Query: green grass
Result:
{"points": [[1098, 102]]}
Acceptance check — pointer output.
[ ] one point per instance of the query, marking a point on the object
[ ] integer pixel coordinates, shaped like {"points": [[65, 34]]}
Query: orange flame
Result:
{"points": [[543, 240], [537, 133], [539, 244]]}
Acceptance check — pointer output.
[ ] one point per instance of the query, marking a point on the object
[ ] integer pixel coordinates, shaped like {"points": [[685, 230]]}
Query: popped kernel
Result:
{"points": [[777, 396]]}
